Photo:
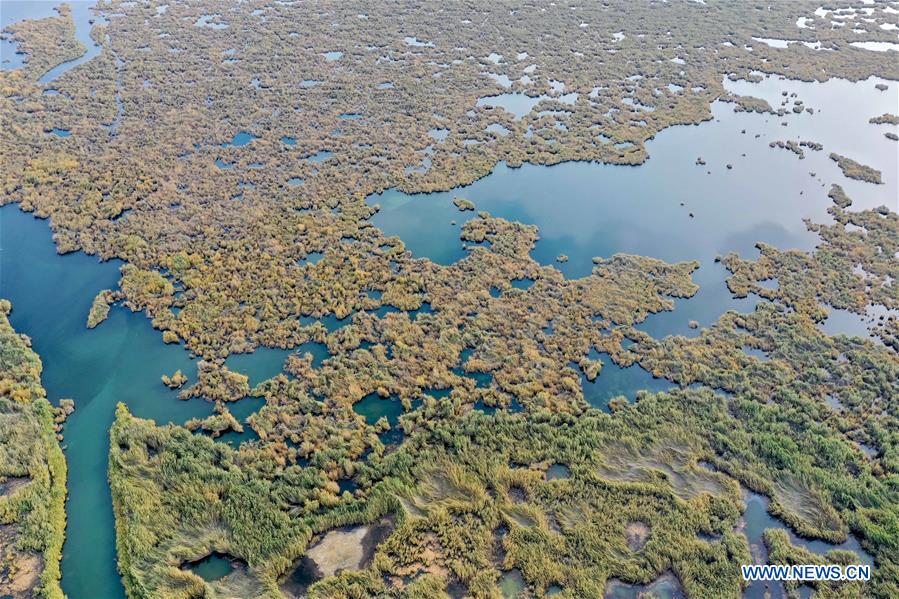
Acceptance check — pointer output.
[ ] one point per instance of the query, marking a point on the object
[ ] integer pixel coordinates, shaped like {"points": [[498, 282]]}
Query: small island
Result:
{"points": [[856, 170], [463, 204]]}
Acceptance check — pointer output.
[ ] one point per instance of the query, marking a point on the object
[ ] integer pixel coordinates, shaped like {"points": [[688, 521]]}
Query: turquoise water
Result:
{"points": [[373, 408], [582, 209], [586, 209], [266, 362], [613, 380], [242, 410], [241, 138], [557, 471], [121, 360], [214, 566]]}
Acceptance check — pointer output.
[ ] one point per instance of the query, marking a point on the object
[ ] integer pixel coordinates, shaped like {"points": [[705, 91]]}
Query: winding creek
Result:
{"points": [[83, 15], [670, 208]]}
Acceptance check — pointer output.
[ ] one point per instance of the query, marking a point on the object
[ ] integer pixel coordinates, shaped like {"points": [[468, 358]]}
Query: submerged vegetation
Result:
{"points": [[32, 473], [443, 445]]}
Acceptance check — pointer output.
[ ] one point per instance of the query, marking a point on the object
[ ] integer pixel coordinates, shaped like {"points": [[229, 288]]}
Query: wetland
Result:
{"points": [[480, 316]]}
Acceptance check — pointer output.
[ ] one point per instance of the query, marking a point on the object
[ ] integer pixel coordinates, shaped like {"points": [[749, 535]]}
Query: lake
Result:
{"points": [[119, 361], [670, 207]]}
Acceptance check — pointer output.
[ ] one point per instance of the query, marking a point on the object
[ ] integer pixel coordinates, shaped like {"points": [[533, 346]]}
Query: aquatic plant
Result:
{"points": [[32, 472], [291, 264], [856, 170]]}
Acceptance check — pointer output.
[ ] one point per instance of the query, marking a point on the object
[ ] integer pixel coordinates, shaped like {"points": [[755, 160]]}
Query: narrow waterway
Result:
{"points": [[14, 11], [119, 361]]}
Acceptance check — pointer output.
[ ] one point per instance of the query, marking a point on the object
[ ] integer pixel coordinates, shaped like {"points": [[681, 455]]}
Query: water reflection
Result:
{"points": [[670, 207]]}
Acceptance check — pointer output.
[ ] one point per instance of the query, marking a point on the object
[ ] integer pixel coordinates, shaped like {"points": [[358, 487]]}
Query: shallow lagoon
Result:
{"points": [[613, 380], [586, 209]]}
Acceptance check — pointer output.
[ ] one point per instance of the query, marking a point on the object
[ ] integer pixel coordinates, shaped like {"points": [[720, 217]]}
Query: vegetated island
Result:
{"points": [[885, 119], [797, 147], [856, 170]]}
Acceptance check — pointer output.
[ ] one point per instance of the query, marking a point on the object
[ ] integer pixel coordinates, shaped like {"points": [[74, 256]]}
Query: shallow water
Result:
{"points": [[557, 471], [214, 566], [665, 587], [241, 138], [850, 323], [373, 408], [758, 520], [266, 362], [15, 10], [586, 209], [241, 410], [613, 380], [519, 104], [583, 210], [511, 584]]}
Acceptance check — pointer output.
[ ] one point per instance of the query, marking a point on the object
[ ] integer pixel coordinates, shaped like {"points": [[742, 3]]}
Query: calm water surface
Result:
{"points": [[585, 209], [12, 11], [757, 520], [119, 361], [582, 210]]}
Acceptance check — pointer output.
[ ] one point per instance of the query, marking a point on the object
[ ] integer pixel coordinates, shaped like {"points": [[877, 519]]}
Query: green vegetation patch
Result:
{"points": [[32, 473]]}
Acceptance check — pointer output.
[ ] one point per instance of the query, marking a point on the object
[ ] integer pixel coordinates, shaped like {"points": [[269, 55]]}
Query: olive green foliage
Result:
{"points": [[852, 268], [99, 309], [463, 204], [856, 170], [468, 491], [32, 473], [237, 270]]}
